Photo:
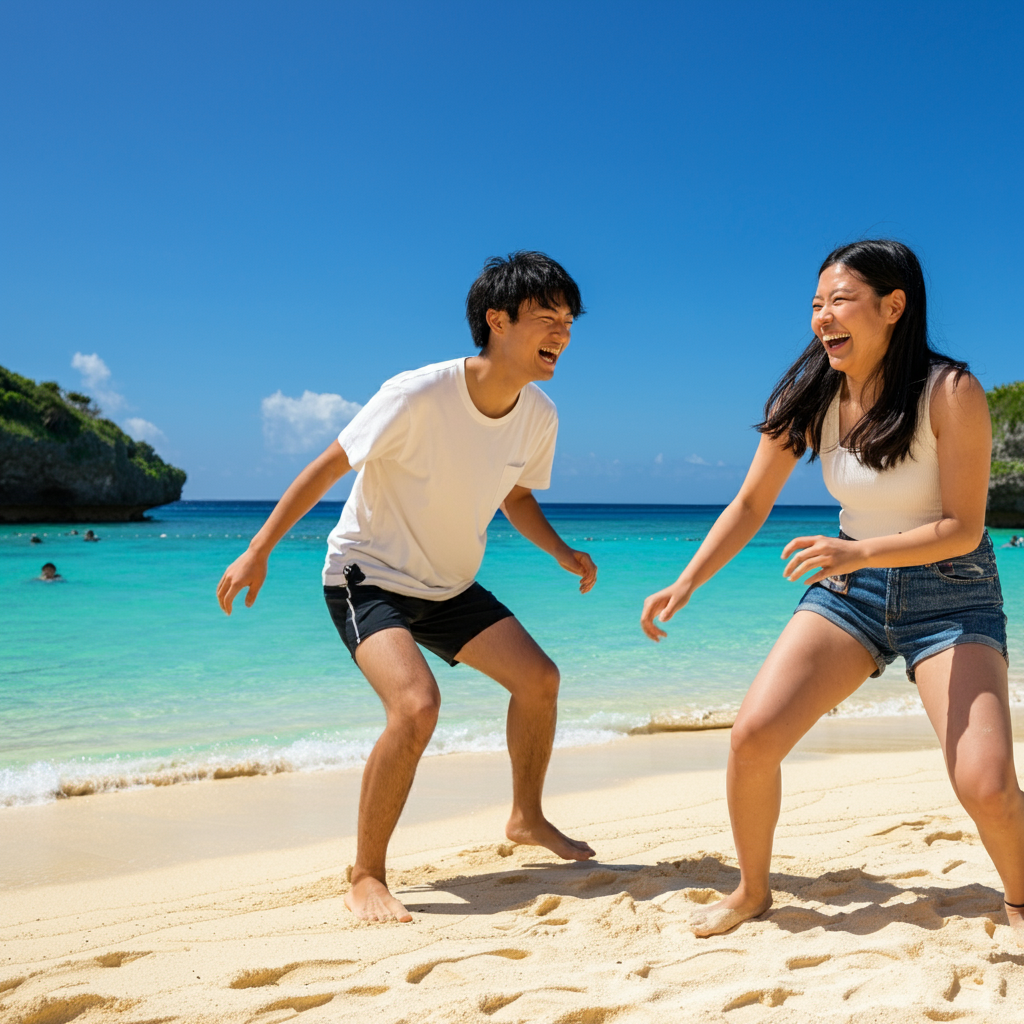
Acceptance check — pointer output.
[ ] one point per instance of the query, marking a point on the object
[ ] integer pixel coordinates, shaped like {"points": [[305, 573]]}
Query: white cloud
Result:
{"points": [[696, 460], [659, 458], [294, 425], [143, 430], [95, 375], [93, 370]]}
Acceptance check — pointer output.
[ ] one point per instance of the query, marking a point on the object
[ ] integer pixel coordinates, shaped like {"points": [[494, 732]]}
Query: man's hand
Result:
{"points": [[663, 605], [248, 570], [580, 564], [523, 512], [824, 556]]}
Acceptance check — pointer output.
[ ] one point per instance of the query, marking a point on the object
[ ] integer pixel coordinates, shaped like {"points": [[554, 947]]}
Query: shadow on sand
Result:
{"points": [[850, 901]]}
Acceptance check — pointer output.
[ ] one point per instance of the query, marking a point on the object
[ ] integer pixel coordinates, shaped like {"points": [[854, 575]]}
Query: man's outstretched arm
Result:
{"points": [[250, 569], [523, 512]]}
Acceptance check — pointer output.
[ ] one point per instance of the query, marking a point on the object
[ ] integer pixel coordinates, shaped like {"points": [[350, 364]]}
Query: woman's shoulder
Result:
{"points": [[956, 397]]}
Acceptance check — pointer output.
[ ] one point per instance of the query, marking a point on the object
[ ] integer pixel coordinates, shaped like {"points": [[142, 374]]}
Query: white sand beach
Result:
{"points": [[222, 901]]}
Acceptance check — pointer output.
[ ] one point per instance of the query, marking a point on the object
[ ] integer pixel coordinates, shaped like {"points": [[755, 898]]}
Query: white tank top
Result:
{"points": [[877, 504]]}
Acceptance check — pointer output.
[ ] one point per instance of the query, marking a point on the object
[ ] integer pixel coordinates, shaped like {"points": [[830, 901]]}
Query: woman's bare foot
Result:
{"points": [[370, 900], [1015, 919], [726, 914], [543, 833]]}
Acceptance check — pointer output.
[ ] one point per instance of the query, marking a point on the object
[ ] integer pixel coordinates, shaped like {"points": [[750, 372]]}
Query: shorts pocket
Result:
{"points": [[967, 569], [509, 475]]}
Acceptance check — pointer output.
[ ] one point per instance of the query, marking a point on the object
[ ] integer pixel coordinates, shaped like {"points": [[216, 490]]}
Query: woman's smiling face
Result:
{"points": [[853, 323]]}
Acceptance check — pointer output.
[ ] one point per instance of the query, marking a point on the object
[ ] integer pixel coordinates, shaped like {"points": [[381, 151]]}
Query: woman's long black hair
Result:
{"points": [[796, 408]]}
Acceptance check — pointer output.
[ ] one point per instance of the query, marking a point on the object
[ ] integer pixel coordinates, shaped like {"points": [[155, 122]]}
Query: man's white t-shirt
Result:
{"points": [[432, 471]]}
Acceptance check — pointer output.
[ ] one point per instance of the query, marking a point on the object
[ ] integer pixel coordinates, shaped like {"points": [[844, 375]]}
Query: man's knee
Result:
{"points": [[546, 681], [416, 713]]}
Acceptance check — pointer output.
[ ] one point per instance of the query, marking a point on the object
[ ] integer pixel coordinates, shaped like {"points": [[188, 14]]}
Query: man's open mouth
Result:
{"points": [[835, 340], [549, 355]]}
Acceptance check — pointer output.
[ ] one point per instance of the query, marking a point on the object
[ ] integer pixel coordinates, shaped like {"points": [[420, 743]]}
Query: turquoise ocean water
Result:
{"points": [[128, 673]]}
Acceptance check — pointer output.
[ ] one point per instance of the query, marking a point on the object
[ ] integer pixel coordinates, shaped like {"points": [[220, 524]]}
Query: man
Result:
{"points": [[437, 451]]}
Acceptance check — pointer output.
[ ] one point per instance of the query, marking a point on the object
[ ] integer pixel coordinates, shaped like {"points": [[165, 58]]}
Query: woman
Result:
{"points": [[904, 438]]}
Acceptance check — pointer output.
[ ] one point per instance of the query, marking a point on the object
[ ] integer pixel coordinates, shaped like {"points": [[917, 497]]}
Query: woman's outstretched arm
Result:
{"points": [[742, 518]]}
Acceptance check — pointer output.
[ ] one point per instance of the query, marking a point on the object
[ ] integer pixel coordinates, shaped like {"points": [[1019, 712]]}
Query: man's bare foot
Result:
{"points": [[543, 833], [1015, 919], [370, 900], [726, 914]]}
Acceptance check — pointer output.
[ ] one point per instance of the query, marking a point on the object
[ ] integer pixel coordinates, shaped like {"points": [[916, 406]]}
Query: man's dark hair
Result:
{"points": [[505, 284]]}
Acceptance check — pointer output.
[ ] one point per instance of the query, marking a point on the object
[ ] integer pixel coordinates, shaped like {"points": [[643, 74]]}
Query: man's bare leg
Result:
{"points": [[397, 671], [813, 666], [509, 655]]}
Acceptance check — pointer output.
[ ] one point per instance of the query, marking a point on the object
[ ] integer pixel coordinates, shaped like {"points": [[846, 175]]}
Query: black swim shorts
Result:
{"points": [[442, 627]]}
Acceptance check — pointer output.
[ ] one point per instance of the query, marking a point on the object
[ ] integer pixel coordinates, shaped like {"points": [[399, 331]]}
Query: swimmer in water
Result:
{"points": [[49, 573]]}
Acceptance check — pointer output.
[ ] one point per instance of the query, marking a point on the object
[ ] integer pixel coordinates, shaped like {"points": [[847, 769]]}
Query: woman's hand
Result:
{"points": [[824, 556], [663, 605]]}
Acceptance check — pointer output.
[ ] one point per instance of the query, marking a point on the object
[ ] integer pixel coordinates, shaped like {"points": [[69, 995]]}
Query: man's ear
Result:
{"points": [[497, 320]]}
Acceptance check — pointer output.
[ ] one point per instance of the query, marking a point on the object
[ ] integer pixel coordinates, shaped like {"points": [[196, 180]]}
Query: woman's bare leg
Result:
{"points": [[813, 666], [964, 691]]}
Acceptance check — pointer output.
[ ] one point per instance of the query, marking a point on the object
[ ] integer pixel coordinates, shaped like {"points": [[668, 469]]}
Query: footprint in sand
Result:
{"points": [[799, 963], [543, 907], [546, 905], [117, 959], [60, 1011], [693, 971], [702, 896], [952, 837], [417, 974], [597, 880], [367, 990], [492, 1004], [916, 826], [303, 972], [836, 883], [297, 1004], [591, 1015], [764, 996]]}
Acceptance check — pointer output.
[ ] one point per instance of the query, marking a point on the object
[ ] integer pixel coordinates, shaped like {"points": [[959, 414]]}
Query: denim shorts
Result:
{"points": [[916, 611]]}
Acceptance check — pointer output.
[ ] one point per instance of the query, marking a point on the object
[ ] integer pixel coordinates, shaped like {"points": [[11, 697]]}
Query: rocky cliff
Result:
{"points": [[60, 461], [1006, 486]]}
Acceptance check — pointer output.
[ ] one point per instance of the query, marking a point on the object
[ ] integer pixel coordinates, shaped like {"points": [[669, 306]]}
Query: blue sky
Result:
{"points": [[226, 201]]}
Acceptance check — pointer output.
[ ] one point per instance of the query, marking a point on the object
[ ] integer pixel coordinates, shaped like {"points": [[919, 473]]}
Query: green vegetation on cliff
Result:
{"points": [[47, 412], [1006, 485], [60, 459]]}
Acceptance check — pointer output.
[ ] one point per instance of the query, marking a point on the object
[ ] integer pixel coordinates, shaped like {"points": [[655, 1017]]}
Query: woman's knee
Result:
{"points": [[753, 741], [988, 792]]}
